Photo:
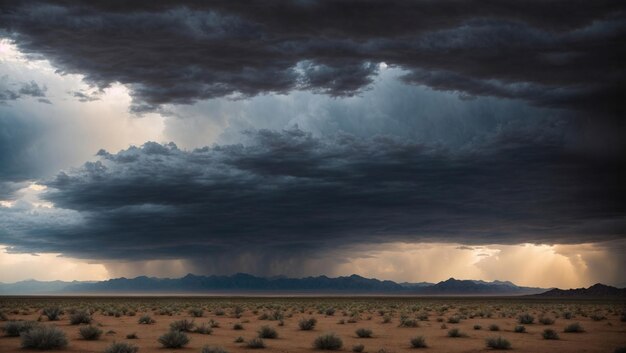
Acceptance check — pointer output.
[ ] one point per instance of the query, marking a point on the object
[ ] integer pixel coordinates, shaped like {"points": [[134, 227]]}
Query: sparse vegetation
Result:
{"points": [[213, 349], [44, 337], [418, 342], [15, 328], [328, 341], [546, 321], [358, 348], [267, 332], [519, 329], [146, 320], [183, 325], [550, 334], [307, 324], [80, 317], [121, 347], [53, 313], [498, 343], [174, 339], [494, 327], [255, 343], [90, 333], [573, 328], [525, 319], [455, 333], [364, 333]]}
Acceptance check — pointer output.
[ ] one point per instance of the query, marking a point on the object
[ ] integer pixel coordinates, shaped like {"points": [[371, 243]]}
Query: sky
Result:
{"points": [[403, 140]]}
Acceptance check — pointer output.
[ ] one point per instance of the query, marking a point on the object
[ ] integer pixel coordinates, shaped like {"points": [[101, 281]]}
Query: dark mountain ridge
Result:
{"points": [[245, 283], [598, 290]]}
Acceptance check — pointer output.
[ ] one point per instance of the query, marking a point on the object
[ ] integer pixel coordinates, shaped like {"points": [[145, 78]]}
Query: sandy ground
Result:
{"points": [[599, 336]]}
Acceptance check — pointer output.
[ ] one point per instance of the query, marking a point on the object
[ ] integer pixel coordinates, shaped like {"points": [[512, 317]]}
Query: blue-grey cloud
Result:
{"points": [[286, 194], [548, 53]]}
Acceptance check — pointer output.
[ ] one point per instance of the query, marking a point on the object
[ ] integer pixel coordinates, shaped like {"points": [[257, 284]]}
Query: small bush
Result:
{"points": [[597, 317], [519, 329], [53, 313], [174, 339], [494, 327], [546, 321], [213, 349], [329, 342], [575, 327], [418, 342], [15, 328], [80, 317], [455, 332], [477, 327], [237, 326], [255, 343], [364, 333], [183, 325], [146, 320], [196, 312], [121, 347], [498, 343], [526, 319], [307, 324], [454, 319], [550, 334], [267, 332], [132, 336], [330, 311], [358, 348], [90, 333], [44, 337], [203, 329], [239, 339]]}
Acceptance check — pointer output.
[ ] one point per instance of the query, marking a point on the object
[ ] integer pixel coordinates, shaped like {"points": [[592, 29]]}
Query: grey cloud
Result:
{"points": [[85, 97], [285, 197], [30, 89], [548, 53]]}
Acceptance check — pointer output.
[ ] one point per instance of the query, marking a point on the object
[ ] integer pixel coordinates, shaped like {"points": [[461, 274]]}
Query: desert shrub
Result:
{"points": [[526, 319], [15, 328], [519, 329], [358, 348], [44, 337], [328, 341], [267, 332], [174, 339], [597, 317], [407, 322], [255, 343], [494, 327], [146, 320], [196, 312], [239, 339], [90, 333], [183, 325], [53, 313], [203, 329], [80, 317], [3, 316], [364, 333], [477, 327], [498, 343], [132, 336], [219, 312], [237, 326], [418, 342], [454, 319], [214, 323], [574, 327], [330, 311], [546, 320], [121, 347], [213, 349], [567, 315], [550, 334], [455, 332], [386, 319], [307, 324]]}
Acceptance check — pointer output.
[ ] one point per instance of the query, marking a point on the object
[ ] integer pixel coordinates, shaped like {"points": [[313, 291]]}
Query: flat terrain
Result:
{"points": [[117, 317]]}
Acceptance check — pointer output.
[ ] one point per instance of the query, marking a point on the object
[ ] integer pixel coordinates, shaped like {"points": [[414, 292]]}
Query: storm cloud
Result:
{"points": [[548, 53], [284, 194]]}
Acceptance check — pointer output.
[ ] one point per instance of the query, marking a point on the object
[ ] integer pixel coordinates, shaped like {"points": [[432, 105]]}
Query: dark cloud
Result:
{"points": [[549, 53], [285, 194], [10, 92], [84, 97]]}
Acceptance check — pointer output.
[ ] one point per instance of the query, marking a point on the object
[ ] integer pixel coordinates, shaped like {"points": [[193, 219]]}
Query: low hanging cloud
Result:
{"points": [[285, 197], [548, 53]]}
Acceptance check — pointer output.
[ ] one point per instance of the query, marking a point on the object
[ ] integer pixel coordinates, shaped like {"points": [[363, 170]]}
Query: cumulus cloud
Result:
{"points": [[282, 198], [548, 53], [10, 91]]}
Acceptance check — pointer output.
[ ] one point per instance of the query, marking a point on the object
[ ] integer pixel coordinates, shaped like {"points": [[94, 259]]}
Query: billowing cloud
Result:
{"points": [[283, 197], [548, 53]]}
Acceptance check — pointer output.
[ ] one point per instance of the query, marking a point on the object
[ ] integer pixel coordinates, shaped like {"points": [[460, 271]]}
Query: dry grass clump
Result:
{"points": [[328, 342], [121, 347], [44, 338], [307, 324], [418, 342], [90, 333], [174, 339], [267, 332], [498, 343]]}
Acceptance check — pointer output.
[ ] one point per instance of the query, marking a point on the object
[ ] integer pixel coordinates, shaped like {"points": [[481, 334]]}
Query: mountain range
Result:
{"points": [[245, 283], [598, 290]]}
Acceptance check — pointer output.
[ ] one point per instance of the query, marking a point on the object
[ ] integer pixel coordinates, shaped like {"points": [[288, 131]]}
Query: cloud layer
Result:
{"points": [[283, 196], [548, 53]]}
